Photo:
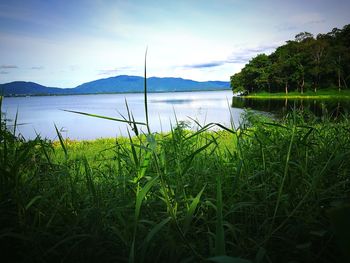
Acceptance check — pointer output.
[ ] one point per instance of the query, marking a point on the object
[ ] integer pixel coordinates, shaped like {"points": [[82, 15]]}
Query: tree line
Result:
{"points": [[305, 63]]}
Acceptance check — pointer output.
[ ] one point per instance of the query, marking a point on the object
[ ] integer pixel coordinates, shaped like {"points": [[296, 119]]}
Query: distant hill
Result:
{"points": [[118, 84], [27, 88], [126, 83]]}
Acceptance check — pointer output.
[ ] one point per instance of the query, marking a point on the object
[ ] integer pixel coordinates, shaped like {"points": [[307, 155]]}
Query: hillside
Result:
{"points": [[126, 83], [27, 88]]}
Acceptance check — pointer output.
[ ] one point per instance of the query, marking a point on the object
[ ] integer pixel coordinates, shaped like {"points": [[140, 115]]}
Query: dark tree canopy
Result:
{"points": [[305, 63]]}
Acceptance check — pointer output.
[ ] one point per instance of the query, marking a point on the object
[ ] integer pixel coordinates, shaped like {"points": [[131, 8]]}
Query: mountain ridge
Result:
{"points": [[115, 84]]}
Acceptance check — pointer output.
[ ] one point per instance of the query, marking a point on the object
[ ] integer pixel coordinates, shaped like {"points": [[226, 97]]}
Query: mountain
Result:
{"points": [[118, 84], [126, 83], [27, 88]]}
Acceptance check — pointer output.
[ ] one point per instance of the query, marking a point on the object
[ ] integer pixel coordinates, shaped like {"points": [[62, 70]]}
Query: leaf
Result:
{"points": [[306, 245], [207, 127], [141, 195], [274, 124], [145, 93], [191, 210], [133, 151], [31, 202], [61, 141], [132, 253], [220, 234], [104, 117], [151, 141], [144, 165], [260, 255], [192, 155], [307, 134], [319, 233], [15, 123], [227, 259], [340, 218], [156, 229]]}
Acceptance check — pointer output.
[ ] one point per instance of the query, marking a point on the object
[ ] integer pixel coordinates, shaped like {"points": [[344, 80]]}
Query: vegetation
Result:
{"points": [[306, 63], [266, 193], [320, 95]]}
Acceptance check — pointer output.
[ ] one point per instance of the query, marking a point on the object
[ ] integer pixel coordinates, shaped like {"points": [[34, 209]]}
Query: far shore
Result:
{"points": [[320, 95], [109, 93]]}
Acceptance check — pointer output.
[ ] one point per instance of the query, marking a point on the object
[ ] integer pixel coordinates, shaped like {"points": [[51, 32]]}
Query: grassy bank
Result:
{"points": [[321, 94], [272, 192]]}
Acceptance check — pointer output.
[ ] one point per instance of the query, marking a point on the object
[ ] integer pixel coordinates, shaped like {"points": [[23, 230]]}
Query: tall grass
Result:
{"points": [[269, 191], [261, 194]]}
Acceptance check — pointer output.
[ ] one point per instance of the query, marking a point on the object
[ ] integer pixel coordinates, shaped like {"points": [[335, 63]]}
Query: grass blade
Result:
{"points": [[105, 117], [145, 93], [227, 259], [61, 141], [142, 194], [191, 210], [15, 123], [220, 235]]}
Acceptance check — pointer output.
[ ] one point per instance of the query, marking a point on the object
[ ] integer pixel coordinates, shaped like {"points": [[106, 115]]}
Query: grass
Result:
{"points": [[321, 94], [263, 194]]}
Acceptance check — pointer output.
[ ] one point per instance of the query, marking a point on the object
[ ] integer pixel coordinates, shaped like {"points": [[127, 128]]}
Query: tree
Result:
{"points": [[343, 38], [316, 49], [305, 62], [236, 82], [338, 59], [286, 66], [263, 68], [303, 36]]}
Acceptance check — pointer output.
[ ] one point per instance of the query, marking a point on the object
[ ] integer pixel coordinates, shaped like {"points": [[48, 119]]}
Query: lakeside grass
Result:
{"points": [[272, 192], [319, 95]]}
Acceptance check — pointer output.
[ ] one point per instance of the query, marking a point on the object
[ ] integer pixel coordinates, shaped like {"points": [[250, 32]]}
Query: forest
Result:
{"points": [[303, 64]]}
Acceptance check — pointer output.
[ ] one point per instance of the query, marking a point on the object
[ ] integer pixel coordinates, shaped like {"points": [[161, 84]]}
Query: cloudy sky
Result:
{"points": [[64, 43]]}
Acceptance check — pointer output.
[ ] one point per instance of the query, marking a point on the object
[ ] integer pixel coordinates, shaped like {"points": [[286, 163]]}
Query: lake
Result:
{"points": [[37, 115]]}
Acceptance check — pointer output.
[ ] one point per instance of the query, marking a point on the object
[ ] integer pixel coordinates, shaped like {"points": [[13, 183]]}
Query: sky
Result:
{"points": [[65, 43]]}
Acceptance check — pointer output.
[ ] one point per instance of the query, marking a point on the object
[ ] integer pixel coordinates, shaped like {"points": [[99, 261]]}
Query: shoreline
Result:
{"points": [[321, 95], [111, 93]]}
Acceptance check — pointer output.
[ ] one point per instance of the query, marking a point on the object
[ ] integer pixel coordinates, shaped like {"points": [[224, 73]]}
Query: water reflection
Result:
{"points": [[172, 101], [332, 108]]}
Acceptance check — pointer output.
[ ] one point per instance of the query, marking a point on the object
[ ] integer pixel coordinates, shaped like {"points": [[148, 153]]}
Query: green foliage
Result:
{"points": [[301, 64]]}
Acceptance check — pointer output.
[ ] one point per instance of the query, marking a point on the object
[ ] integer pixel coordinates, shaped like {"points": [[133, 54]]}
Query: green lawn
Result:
{"points": [[321, 94]]}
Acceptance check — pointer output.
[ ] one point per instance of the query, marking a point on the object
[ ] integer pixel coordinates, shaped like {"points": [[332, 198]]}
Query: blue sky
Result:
{"points": [[65, 43]]}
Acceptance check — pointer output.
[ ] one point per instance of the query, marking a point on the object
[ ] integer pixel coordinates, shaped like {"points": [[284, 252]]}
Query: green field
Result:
{"points": [[270, 191], [321, 94]]}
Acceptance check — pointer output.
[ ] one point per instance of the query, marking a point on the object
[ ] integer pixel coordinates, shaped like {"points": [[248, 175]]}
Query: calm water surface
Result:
{"points": [[37, 115]]}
